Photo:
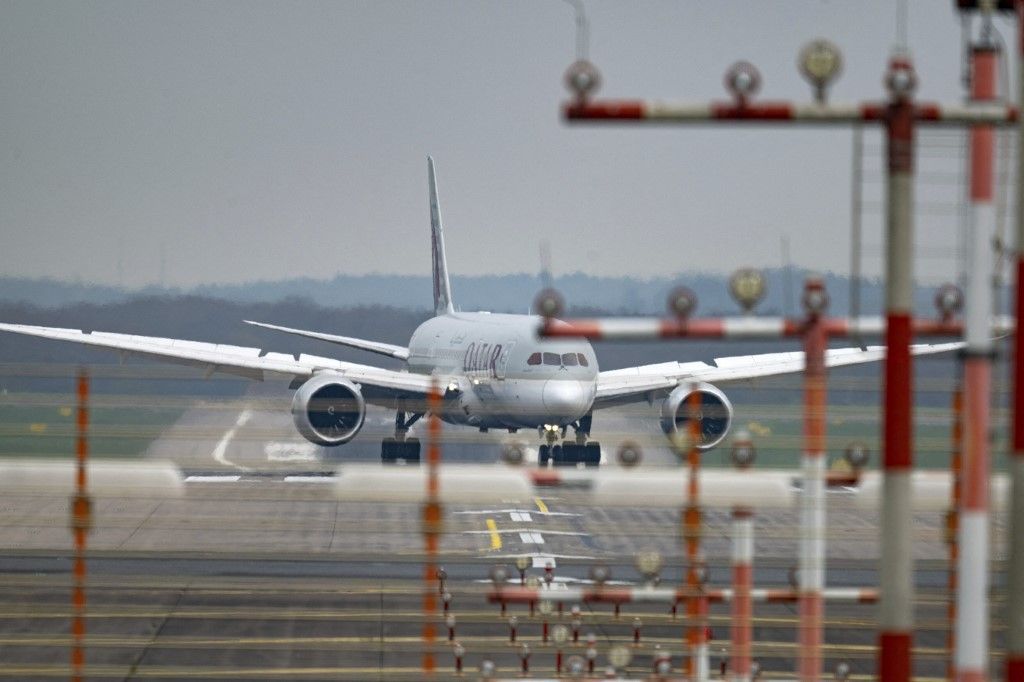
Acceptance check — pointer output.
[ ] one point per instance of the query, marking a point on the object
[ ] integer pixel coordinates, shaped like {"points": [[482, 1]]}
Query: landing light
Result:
{"points": [[549, 303], [949, 300], [619, 656], [856, 455], [649, 564], [682, 302], [742, 80], [815, 298], [820, 63], [747, 286], [582, 78]]}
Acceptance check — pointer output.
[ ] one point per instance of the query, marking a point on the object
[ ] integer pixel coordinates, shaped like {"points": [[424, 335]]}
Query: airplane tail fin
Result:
{"points": [[442, 286]]}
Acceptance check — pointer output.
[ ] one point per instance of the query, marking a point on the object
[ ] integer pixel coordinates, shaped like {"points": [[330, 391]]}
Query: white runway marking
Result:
{"points": [[309, 479], [534, 538], [520, 516], [540, 561], [212, 479], [222, 446], [290, 452], [514, 511]]}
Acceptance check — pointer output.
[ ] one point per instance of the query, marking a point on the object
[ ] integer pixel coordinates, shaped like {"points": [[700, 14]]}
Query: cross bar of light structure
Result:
{"points": [[656, 111], [668, 595], [583, 479], [655, 328]]}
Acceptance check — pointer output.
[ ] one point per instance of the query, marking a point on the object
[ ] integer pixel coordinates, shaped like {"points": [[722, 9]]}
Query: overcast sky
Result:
{"points": [[252, 140]]}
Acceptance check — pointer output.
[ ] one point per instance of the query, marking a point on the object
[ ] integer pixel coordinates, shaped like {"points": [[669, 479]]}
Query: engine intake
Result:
{"points": [[715, 414], [328, 410]]}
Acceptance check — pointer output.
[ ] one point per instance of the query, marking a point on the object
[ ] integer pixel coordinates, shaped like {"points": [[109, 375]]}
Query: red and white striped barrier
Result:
{"points": [[654, 111], [667, 595], [656, 328]]}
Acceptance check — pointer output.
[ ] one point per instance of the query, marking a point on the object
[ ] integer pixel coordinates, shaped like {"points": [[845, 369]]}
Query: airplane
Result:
{"points": [[492, 370]]}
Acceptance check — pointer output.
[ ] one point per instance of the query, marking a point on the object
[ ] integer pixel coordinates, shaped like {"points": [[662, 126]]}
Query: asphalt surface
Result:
{"points": [[260, 573]]}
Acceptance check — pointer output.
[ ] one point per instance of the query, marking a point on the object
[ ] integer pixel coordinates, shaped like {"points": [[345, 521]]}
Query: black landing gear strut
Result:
{"points": [[400, 447], [569, 452]]}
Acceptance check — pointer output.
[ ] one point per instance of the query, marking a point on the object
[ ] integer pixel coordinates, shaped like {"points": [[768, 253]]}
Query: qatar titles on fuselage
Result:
{"points": [[508, 378]]}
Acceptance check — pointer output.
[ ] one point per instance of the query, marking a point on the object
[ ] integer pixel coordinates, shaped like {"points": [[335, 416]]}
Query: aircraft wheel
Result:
{"points": [[558, 455], [592, 454], [411, 450], [543, 455], [570, 454], [388, 450]]}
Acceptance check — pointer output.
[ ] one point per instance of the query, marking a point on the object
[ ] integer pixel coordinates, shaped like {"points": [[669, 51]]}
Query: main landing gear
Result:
{"points": [[400, 447], [569, 452]]}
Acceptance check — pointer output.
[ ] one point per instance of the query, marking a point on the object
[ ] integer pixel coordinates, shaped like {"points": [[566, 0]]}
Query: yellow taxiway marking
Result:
{"points": [[541, 507], [495, 536]]}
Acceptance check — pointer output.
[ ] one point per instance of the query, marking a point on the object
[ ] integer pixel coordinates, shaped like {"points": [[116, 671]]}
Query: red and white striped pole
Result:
{"points": [[742, 583], [953, 523], [972, 598], [812, 501], [1015, 574], [431, 524], [896, 612], [81, 523], [696, 603]]}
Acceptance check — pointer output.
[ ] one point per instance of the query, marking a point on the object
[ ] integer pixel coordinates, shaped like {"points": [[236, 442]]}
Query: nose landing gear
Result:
{"points": [[569, 453]]}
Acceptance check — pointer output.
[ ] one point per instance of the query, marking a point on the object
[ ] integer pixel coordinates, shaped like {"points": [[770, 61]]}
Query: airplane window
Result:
{"points": [[583, 360], [533, 359], [569, 359], [552, 359]]}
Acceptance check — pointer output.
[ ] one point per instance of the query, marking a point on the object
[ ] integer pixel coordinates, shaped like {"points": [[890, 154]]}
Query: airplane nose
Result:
{"points": [[565, 398]]}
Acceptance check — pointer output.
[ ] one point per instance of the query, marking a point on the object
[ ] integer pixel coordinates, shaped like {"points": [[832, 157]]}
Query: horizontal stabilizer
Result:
{"points": [[400, 352]]}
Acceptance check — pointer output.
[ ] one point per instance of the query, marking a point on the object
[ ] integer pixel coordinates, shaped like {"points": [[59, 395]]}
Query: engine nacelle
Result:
{"points": [[328, 410], [715, 414]]}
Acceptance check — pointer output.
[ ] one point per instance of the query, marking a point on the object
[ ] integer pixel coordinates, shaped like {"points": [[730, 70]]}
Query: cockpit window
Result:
{"points": [[569, 359], [533, 359], [583, 360], [552, 359]]}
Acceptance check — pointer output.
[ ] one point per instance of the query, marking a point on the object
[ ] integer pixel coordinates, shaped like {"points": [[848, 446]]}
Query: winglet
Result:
{"points": [[442, 286]]}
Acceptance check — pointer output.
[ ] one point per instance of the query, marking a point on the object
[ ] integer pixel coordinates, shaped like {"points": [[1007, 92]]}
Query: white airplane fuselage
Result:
{"points": [[507, 377]]}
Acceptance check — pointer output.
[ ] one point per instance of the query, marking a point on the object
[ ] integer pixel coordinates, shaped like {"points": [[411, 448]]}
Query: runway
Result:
{"points": [[259, 572]]}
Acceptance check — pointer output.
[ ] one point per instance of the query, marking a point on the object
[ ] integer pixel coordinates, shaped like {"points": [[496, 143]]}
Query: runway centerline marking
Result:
{"points": [[492, 527], [541, 507], [212, 479], [222, 445]]}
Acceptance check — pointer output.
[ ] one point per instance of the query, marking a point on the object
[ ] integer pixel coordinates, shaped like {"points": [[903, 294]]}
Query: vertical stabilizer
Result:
{"points": [[442, 287]]}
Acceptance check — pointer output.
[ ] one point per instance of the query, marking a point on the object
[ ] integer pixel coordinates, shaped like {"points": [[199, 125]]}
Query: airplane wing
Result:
{"points": [[252, 363], [635, 384], [400, 352]]}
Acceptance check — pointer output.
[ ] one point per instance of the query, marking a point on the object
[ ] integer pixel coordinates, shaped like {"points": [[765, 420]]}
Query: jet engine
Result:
{"points": [[328, 410], [715, 414]]}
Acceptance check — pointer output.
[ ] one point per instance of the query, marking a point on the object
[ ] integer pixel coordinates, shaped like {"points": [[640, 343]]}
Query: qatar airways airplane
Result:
{"points": [[493, 371]]}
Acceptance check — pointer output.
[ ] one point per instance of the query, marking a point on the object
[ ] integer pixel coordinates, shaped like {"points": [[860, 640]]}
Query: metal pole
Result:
{"points": [[896, 612], [431, 521], [812, 501], [81, 522], [1015, 574], [856, 202], [742, 582], [696, 604], [953, 523], [972, 566]]}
